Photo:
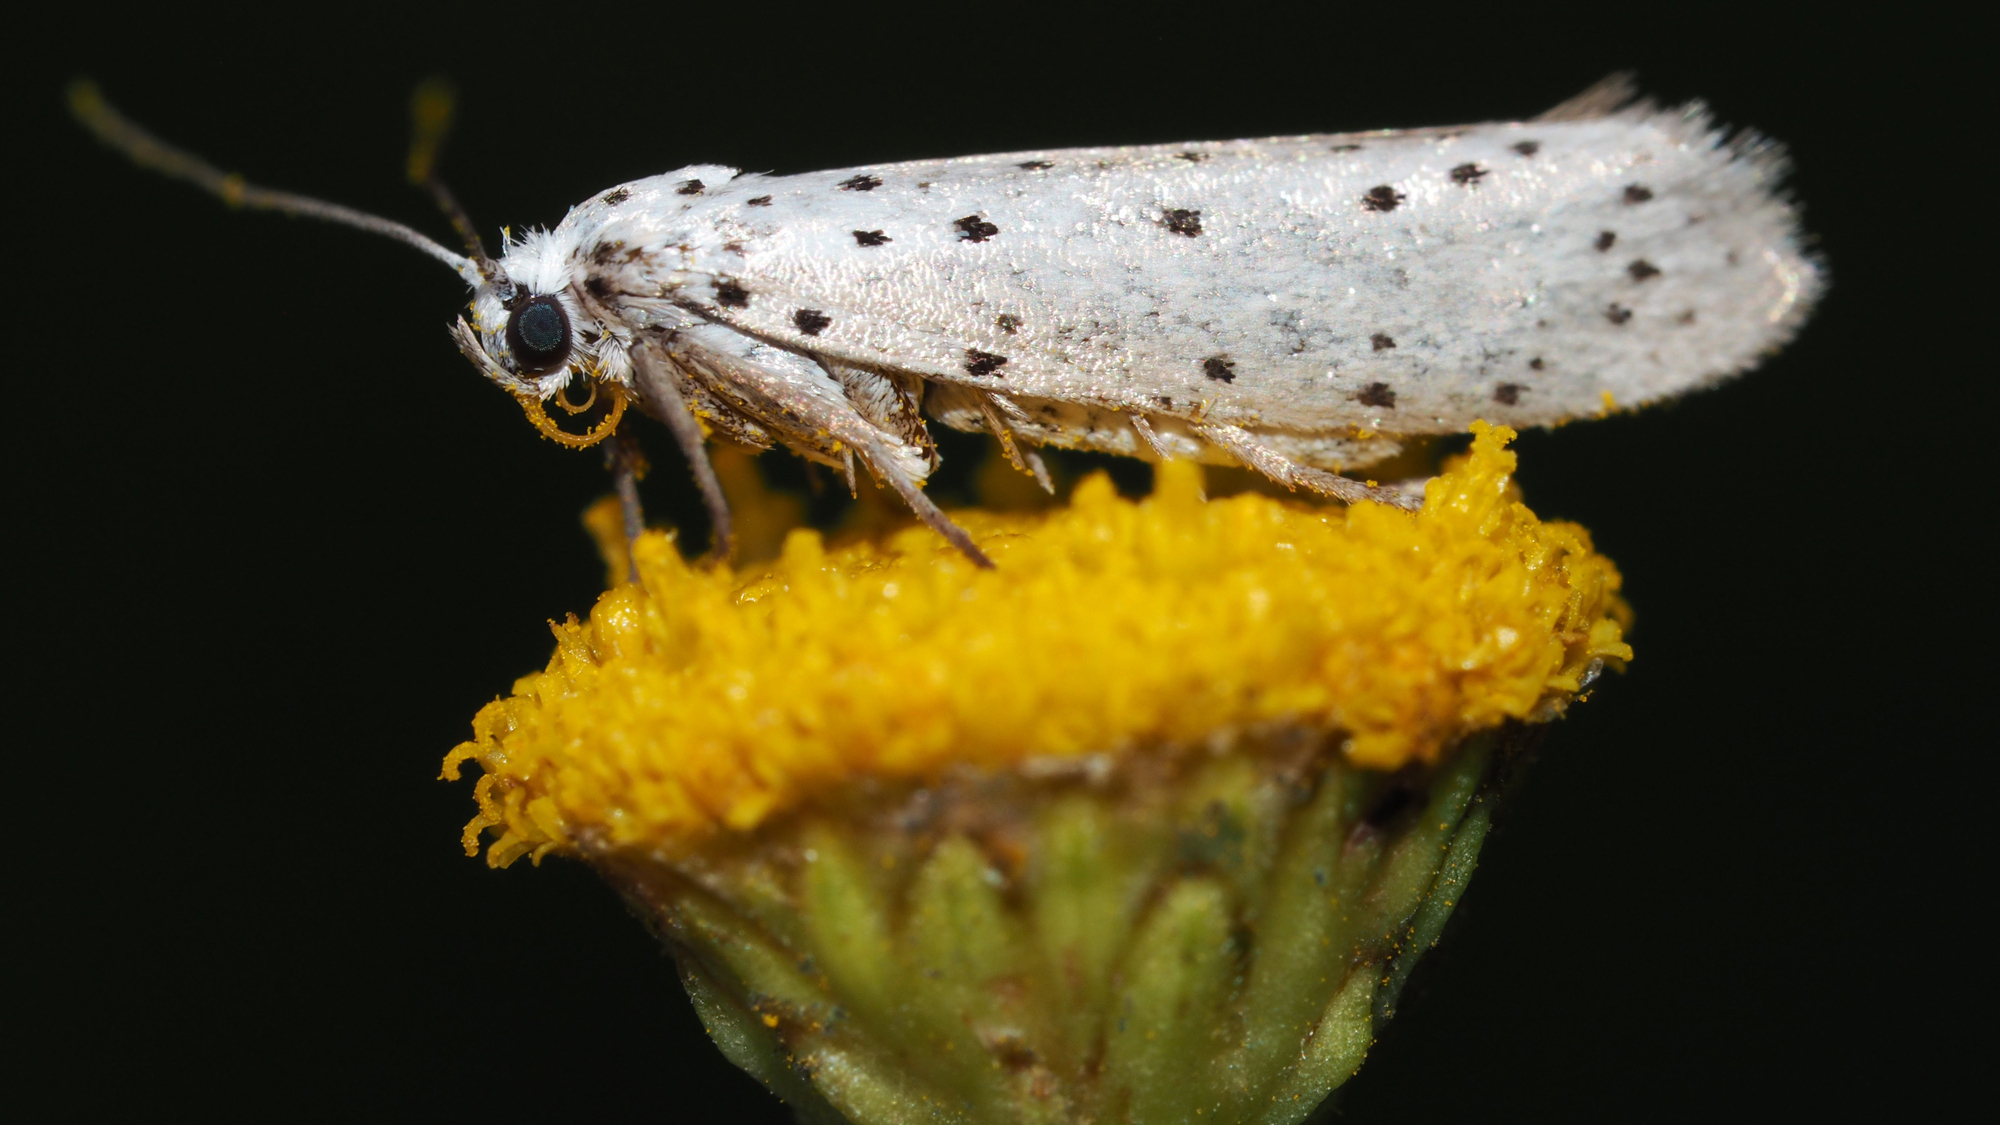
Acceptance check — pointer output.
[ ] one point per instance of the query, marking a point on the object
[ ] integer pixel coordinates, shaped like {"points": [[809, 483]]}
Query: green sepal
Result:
{"points": [[1225, 939]]}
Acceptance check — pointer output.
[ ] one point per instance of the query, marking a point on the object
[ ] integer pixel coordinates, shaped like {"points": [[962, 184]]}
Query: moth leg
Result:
{"points": [[1038, 469], [934, 518], [627, 465], [671, 407], [1145, 431], [991, 409], [999, 430], [892, 403], [1021, 426], [805, 405], [1245, 447]]}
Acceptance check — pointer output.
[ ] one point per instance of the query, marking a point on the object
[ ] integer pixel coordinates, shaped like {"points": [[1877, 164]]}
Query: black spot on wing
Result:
{"points": [[972, 228], [1606, 239], [1382, 198], [1527, 148], [730, 295], [760, 201], [1219, 368], [1617, 313], [1536, 364], [1468, 174], [1182, 222], [689, 187], [1194, 157], [1344, 148], [617, 197], [811, 322], [861, 183], [983, 363], [1381, 341], [1641, 269], [870, 238], [1508, 394], [1034, 165], [1007, 322], [1637, 193], [1376, 394]]}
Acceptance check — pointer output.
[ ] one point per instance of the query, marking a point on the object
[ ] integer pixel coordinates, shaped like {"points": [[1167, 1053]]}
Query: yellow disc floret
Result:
{"points": [[699, 702]]}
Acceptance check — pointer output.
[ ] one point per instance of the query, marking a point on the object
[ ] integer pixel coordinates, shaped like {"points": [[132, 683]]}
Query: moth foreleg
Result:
{"points": [[663, 398], [1244, 446]]}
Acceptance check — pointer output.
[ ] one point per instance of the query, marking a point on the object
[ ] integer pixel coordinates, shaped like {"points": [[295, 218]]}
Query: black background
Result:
{"points": [[274, 542]]}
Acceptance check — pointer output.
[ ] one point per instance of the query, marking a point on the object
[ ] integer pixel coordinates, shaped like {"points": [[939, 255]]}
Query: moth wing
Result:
{"points": [[1402, 282]]}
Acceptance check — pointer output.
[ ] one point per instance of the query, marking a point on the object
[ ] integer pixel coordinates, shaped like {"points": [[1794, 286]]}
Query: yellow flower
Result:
{"points": [[932, 839]]}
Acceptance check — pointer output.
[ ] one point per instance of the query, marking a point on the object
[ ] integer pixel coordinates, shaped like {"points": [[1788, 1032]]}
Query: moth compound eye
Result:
{"points": [[538, 335]]}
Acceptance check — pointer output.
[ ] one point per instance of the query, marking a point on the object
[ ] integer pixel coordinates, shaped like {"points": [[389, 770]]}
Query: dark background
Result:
{"points": [[274, 542]]}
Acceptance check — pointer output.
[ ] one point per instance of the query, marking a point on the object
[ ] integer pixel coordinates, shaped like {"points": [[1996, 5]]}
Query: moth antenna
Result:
{"points": [[432, 105], [96, 114]]}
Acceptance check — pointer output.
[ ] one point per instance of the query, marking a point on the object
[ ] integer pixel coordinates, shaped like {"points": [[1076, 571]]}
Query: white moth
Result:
{"points": [[1295, 304]]}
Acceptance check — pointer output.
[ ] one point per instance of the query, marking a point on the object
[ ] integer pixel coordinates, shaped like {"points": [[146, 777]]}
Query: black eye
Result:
{"points": [[538, 335]]}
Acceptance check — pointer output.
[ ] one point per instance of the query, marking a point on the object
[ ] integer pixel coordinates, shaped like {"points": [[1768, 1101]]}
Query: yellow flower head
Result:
{"points": [[698, 702]]}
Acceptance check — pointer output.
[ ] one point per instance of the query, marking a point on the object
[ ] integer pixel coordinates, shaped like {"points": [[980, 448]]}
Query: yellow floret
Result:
{"points": [[699, 702]]}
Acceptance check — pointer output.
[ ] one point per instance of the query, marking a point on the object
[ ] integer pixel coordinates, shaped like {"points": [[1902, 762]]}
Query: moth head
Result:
{"points": [[531, 331], [531, 335]]}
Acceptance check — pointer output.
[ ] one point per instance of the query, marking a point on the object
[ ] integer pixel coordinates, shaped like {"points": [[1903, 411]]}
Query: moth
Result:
{"points": [[1300, 305]]}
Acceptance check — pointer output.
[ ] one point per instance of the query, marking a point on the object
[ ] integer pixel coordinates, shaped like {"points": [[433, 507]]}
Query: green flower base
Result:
{"points": [[1218, 942]]}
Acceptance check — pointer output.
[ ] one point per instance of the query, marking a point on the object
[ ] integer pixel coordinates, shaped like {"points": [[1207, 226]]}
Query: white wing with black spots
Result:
{"points": [[1395, 282]]}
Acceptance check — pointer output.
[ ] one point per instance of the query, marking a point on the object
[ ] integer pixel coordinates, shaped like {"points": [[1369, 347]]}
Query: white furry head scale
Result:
{"points": [[1295, 304]]}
